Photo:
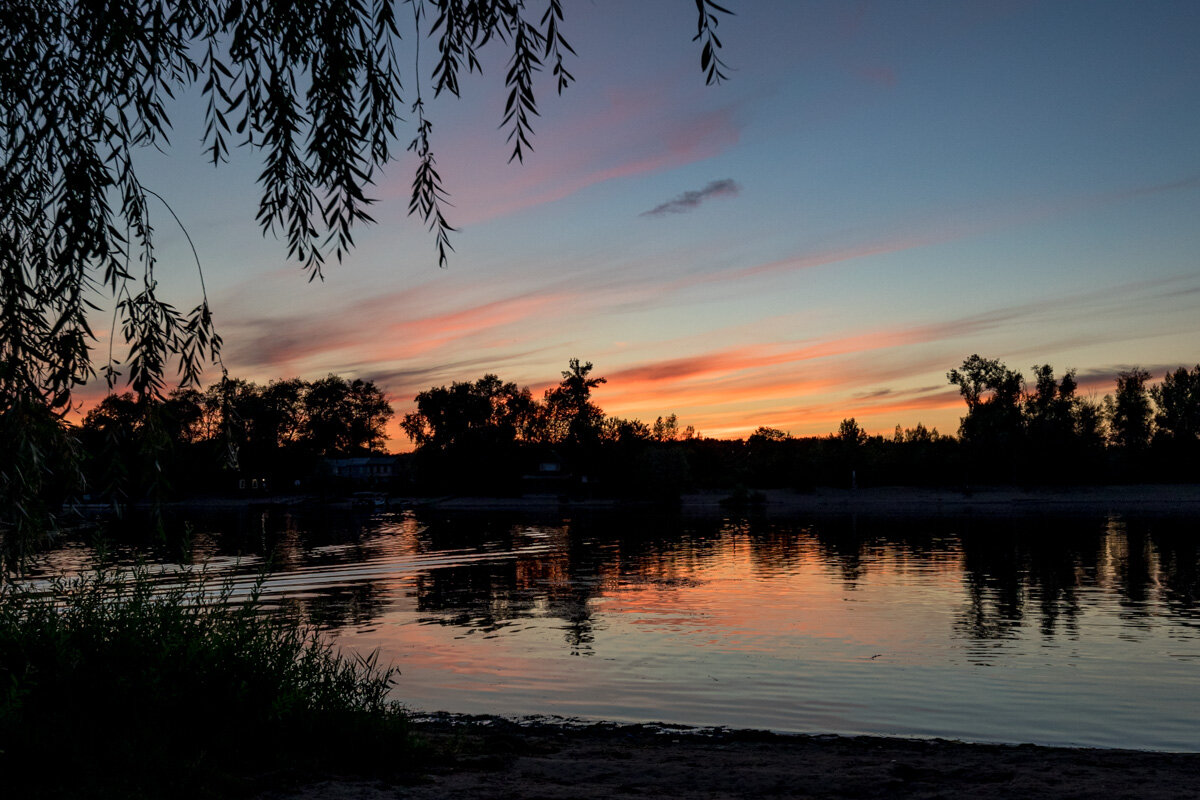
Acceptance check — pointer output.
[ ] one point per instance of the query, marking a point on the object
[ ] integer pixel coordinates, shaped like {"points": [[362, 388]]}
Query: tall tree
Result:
{"points": [[183, 416], [666, 429], [993, 395], [1050, 407], [572, 416], [850, 435], [1177, 399], [132, 442], [1130, 412], [1062, 430]]}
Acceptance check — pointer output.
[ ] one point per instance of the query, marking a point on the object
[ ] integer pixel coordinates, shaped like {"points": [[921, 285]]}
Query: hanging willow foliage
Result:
{"points": [[314, 86]]}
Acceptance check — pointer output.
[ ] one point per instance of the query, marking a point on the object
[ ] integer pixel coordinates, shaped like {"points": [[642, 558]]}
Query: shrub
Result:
{"points": [[134, 685]]}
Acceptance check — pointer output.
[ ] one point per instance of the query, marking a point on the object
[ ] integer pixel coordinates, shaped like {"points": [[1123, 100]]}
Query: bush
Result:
{"points": [[116, 685]]}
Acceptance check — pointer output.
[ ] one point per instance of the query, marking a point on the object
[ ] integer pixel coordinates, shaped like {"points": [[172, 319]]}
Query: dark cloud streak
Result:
{"points": [[726, 187]]}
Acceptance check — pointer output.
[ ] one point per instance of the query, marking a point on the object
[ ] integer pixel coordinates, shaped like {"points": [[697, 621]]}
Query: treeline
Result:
{"points": [[151, 449], [493, 437], [1043, 431]]}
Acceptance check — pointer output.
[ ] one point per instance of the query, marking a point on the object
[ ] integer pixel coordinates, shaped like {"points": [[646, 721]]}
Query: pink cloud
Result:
{"points": [[626, 133], [353, 334], [731, 387], [681, 142]]}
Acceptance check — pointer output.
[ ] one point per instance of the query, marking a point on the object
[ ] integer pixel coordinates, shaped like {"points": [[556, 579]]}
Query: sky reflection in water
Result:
{"points": [[1063, 631]]}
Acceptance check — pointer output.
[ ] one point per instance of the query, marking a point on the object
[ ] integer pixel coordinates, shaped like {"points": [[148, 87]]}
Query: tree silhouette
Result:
{"points": [[981, 376], [486, 410], [573, 418], [1130, 414], [625, 431], [1062, 429], [765, 434], [316, 87], [1050, 407], [666, 429], [850, 435], [345, 417], [993, 424], [1176, 441], [1178, 401]]}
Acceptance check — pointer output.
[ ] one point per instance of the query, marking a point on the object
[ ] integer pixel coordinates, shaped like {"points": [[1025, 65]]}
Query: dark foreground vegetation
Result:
{"points": [[115, 686]]}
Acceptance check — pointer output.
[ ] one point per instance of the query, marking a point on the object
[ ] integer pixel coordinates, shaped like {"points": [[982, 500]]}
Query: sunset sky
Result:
{"points": [[880, 190]]}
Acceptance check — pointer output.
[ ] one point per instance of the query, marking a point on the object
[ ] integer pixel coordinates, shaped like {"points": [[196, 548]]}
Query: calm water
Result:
{"points": [[1058, 631]]}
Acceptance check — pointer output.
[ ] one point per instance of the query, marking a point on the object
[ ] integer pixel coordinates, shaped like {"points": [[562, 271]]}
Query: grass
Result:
{"points": [[113, 686]]}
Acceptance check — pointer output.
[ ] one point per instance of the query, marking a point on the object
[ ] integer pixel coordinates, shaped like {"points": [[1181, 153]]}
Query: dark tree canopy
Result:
{"points": [[487, 410], [1178, 402], [993, 395], [1131, 414], [1043, 431]]}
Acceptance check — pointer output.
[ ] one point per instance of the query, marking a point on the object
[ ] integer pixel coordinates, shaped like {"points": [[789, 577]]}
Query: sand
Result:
{"points": [[495, 758]]}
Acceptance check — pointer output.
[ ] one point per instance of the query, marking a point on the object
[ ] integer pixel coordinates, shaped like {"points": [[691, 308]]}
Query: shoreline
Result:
{"points": [[887, 500], [493, 757], [1152, 499]]}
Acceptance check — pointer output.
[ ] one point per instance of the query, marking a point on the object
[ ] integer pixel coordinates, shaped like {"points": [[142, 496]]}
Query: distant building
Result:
{"points": [[371, 470], [256, 484], [551, 475]]}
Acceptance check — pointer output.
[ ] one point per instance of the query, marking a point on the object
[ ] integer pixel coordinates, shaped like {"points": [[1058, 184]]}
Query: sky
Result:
{"points": [[878, 191]]}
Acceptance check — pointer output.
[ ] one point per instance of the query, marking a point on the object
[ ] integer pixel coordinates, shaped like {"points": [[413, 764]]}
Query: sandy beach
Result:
{"points": [[493, 758]]}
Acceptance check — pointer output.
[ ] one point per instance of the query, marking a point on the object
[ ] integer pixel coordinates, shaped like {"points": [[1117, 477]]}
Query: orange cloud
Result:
{"points": [[353, 334], [733, 390]]}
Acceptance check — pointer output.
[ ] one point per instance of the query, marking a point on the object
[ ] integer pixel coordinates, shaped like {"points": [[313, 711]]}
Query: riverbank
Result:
{"points": [[886, 500], [487, 758]]}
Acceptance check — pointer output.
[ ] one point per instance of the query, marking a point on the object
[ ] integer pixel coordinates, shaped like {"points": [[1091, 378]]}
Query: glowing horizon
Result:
{"points": [[875, 194]]}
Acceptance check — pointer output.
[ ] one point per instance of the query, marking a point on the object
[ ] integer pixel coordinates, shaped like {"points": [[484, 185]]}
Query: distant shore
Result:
{"points": [[888, 500], [495, 758]]}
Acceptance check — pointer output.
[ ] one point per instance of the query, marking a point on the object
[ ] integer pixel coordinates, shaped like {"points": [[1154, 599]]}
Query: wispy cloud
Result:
{"points": [[359, 334], [809, 385], [940, 233], [591, 150], [726, 187], [1104, 379]]}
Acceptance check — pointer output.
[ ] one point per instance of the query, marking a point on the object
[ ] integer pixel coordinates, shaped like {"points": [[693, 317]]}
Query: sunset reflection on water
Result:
{"points": [[1050, 630]]}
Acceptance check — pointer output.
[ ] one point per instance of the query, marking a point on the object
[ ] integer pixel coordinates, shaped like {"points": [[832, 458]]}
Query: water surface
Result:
{"points": [[1058, 630]]}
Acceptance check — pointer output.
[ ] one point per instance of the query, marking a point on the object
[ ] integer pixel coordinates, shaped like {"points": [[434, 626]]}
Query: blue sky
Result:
{"points": [[879, 190]]}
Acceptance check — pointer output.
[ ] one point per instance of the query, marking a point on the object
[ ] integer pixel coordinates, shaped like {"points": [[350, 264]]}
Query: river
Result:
{"points": [[1051, 629]]}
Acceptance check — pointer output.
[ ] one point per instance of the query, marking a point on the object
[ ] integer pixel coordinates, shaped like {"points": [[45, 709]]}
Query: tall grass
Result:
{"points": [[112, 685]]}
